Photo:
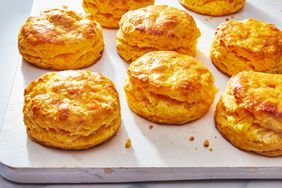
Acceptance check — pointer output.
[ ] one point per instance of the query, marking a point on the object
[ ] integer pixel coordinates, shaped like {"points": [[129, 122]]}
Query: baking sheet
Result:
{"points": [[161, 153]]}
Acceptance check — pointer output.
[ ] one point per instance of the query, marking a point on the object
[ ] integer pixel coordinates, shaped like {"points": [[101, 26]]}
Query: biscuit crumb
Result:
{"points": [[191, 138], [208, 18], [65, 6], [210, 149], [206, 143], [151, 126], [232, 16], [127, 144], [108, 170], [226, 19]]}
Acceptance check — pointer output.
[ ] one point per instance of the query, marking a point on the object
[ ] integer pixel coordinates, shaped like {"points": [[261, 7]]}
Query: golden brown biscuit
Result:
{"points": [[168, 87], [109, 12], [249, 113], [214, 7], [156, 28], [247, 45], [71, 109], [60, 39]]}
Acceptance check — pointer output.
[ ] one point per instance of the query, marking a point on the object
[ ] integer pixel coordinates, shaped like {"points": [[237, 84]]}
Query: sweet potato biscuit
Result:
{"points": [[249, 113], [60, 39], [214, 7], [71, 109], [168, 87], [247, 45], [109, 12], [156, 28]]}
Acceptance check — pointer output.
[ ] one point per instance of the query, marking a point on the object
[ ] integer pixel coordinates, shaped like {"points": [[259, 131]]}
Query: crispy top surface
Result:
{"points": [[168, 71], [260, 92], [251, 36], [59, 26], [73, 97], [159, 20]]}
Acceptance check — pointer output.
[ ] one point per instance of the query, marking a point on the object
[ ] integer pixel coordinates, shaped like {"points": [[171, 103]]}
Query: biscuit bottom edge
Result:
{"points": [[131, 53], [66, 61], [102, 135], [161, 108], [239, 129]]}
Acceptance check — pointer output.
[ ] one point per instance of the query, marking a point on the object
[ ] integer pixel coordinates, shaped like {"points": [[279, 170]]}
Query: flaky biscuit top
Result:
{"points": [[75, 101], [159, 23], [251, 37], [178, 76], [59, 26], [259, 93]]}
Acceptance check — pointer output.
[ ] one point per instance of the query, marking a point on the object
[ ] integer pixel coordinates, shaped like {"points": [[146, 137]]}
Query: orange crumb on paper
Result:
{"points": [[127, 144], [210, 149], [226, 19], [151, 126], [206, 143], [191, 138], [208, 18]]}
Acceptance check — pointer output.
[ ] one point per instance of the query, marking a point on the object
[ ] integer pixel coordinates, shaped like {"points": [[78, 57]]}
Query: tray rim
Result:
{"points": [[12, 173]]}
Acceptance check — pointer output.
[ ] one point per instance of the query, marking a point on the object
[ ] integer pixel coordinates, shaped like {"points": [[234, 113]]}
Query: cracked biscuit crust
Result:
{"points": [[247, 45], [109, 12], [214, 7], [60, 39], [71, 109], [156, 28], [249, 113], [168, 87]]}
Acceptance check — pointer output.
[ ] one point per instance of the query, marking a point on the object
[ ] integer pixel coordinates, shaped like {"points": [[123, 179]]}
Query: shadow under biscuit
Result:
{"points": [[31, 72], [111, 153]]}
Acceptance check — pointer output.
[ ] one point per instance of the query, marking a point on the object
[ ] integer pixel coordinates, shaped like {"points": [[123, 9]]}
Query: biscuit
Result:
{"points": [[247, 45], [214, 7], [71, 109], [249, 113], [109, 12], [60, 39], [156, 28], [169, 88]]}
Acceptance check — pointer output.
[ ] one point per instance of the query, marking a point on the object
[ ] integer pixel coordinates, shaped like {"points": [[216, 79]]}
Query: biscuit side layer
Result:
{"points": [[60, 138], [238, 127], [130, 51], [161, 108], [213, 7], [249, 113], [108, 13]]}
